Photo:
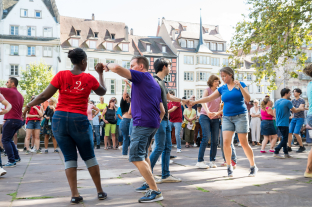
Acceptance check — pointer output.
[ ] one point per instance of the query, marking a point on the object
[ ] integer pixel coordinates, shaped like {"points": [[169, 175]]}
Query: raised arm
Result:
{"points": [[207, 99], [116, 69], [125, 92], [244, 91], [173, 98], [101, 90]]}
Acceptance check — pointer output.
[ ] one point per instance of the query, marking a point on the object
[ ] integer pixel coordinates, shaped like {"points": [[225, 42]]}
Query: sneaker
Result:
{"points": [[144, 188], [174, 146], [32, 147], [171, 179], [195, 145], [287, 156], [306, 175], [38, 151], [201, 165], [297, 143], [223, 164], [289, 149], [151, 196], [172, 157], [278, 156], [157, 180], [212, 165], [272, 150], [10, 164], [301, 149], [170, 162], [158, 162], [262, 151], [125, 156], [239, 144], [98, 147], [179, 151], [46, 151], [33, 150], [2, 171], [120, 147], [76, 200], [102, 196], [230, 171], [27, 152], [18, 160], [24, 149], [56, 151], [253, 171], [233, 164]]}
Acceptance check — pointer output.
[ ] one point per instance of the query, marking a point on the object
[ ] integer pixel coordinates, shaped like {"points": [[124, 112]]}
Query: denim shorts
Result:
{"points": [[141, 138], [267, 128], [309, 120], [295, 125], [238, 123], [33, 124]]}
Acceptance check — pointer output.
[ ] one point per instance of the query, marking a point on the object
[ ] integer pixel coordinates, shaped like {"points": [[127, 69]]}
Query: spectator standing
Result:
{"points": [[96, 127], [109, 117], [118, 130], [1, 126], [255, 122], [101, 106], [198, 129], [47, 129], [189, 119]]}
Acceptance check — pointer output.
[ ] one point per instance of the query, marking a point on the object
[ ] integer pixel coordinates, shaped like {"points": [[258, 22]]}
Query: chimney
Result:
{"points": [[131, 31], [126, 33], [217, 28], [92, 17]]}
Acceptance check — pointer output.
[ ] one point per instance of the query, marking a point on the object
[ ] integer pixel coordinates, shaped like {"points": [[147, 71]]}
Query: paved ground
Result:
{"points": [[39, 180]]}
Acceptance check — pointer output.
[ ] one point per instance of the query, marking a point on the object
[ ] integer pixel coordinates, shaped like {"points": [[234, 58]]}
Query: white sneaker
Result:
{"points": [[125, 156], [171, 179], [278, 156], [174, 146], [157, 180], [120, 147], [212, 165], [179, 151], [170, 162], [158, 162], [239, 144], [201, 165], [2, 171], [288, 156], [195, 145]]}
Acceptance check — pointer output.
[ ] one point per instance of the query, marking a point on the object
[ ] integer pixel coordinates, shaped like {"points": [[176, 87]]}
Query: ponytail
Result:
{"points": [[264, 103]]}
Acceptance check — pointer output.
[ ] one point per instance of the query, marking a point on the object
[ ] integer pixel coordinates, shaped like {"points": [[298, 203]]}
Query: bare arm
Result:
{"points": [[125, 92], [244, 91], [129, 111], [162, 111], [172, 109], [119, 116], [38, 111], [173, 98], [296, 110], [271, 111], [117, 69], [212, 97], [7, 105], [101, 90], [103, 113], [96, 111]]}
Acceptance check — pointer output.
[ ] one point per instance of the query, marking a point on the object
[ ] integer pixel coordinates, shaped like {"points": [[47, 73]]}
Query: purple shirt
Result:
{"points": [[145, 100]]}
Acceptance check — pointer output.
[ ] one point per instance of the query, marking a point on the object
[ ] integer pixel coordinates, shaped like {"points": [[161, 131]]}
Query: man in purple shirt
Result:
{"points": [[13, 120], [147, 112]]}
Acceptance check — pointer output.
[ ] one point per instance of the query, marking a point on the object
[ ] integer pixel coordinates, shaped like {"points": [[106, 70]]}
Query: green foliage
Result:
{"points": [[35, 79], [202, 190], [281, 28]]}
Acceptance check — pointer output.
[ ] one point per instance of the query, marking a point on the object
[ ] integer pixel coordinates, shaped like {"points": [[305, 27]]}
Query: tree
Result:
{"points": [[283, 28], [35, 79]]}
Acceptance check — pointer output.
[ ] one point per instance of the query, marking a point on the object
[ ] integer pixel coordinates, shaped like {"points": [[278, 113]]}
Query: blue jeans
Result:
{"points": [[285, 131], [120, 138], [97, 134], [163, 146], [210, 128], [124, 127], [10, 127], [177, 126], [72, 131], [233, 157], [130, 127]]}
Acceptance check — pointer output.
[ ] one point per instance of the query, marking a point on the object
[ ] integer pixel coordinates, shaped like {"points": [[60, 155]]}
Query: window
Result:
{"points": [[14, 30], [47, 51], [240, 76], [188, 93], [125, 47], [31, 31], [110, 61], [190, 44], [215, 61], [14, 50], [112, 86], [167, 78], [249, 88], [92, 44], [188, 76], [31, 50], [164, 49], [109, 46], [188, 60], [213, 46], [148, 48], [249, 77], [113, 36], [304, 91], [96, 34], [78, 32], [24, 13], [96, 61], [225, 62], [47, 32], [258, 89], [14, 70], [184, 28], [126, 64], [202, 76], [176, 31], [207, 44], [199, 93], [182, 42], [123, 87], [203, 60], [38, 14], [220, 47], [75, 42]]}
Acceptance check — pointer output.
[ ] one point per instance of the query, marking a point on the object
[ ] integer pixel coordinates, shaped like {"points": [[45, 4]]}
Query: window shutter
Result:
{"points": [[91, 63], [119, 87], [38, 49], [108, 85], [33, 31], [22, 12], [68, 63], [7, 49], [8, 70]]}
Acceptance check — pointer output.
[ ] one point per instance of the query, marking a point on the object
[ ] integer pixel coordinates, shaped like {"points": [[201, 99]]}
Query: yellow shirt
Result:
{"points": [[190, 114], [101, 106]]}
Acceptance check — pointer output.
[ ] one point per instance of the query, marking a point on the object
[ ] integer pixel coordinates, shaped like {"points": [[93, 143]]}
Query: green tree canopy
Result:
{"points": [[283, 27]]}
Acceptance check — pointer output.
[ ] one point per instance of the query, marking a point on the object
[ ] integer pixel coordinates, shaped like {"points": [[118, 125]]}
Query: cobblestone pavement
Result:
{"points": [[39, 180]]}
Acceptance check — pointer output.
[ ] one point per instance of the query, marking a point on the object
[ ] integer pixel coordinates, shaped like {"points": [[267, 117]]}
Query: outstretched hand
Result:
{"points": [[99, 68], [185, 101]]}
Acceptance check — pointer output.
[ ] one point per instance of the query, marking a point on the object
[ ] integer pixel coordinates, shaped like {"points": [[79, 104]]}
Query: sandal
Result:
{"points": [[102, 196], [76, 200], [187, 146], [106, 148]]}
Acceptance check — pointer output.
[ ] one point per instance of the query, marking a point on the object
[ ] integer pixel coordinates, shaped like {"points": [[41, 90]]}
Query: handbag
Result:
{"points": [[42, 122], [183, 125]]}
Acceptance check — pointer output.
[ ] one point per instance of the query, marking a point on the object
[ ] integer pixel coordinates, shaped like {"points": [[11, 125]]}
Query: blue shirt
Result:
{"points": [[118, 112], [309, 89], [233, 100], [282, 108], [96, 119], [145, 100]]}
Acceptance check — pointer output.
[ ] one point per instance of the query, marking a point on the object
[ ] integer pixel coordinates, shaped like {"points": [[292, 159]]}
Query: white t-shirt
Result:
{"points": [[1, 116], [253, 111]]}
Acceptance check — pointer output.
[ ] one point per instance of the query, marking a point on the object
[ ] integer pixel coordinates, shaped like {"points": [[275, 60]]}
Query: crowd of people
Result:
{"points": [[150, 121]]}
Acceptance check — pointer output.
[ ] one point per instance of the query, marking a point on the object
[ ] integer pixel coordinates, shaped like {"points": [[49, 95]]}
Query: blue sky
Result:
{"points": [[142, 15]]}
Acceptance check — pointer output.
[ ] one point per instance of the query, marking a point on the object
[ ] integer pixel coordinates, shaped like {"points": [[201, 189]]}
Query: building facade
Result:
{"points": [[29, 33]]}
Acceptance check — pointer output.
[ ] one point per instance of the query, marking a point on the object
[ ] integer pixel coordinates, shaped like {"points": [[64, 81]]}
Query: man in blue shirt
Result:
{"points": [[282, 108]]}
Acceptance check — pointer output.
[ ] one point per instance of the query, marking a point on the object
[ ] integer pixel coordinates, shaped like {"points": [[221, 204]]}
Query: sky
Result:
{"points": [[142, 15]]}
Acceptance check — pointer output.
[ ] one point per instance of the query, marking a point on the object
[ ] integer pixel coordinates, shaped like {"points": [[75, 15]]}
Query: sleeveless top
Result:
{"points": [[213, 106], [265, 115], [110, 116]]}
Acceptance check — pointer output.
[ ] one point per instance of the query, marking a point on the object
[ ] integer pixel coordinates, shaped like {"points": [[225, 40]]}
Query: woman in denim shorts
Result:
{"points": [[70, 124], [234, 94]]}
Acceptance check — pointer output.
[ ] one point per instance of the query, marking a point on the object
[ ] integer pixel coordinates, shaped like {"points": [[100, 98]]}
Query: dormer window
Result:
{"points": [[176, 31], [24, 13], [78, 32], [164, 49], [206, 30], [75, 42], [148, 48], [92, 44], [96, 34], [125, 47], [113, 36], [190, 44], [184, 28], [109, 46]]}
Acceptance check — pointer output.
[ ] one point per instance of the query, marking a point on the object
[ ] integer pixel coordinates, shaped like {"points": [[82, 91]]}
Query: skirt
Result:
{"points": [[267, 128]]}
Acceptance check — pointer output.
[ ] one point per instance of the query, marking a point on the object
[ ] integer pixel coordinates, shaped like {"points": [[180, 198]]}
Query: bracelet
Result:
{"points": [[107, 65]]}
